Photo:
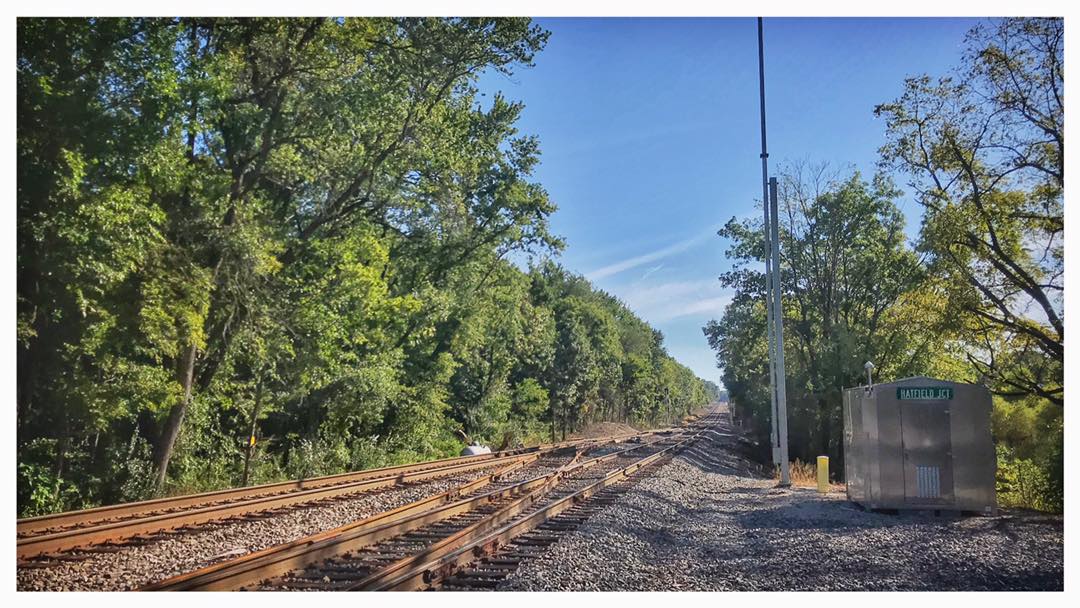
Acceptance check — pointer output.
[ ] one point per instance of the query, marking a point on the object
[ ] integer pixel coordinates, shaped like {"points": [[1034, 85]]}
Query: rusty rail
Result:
{"points": [[55, 522], [116, 531], [50, 523], [510, 502], [441, 562], [275, 561], [75, 529]]}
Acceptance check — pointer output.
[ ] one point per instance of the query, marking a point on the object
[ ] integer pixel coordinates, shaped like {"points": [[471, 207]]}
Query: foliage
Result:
{"points": [[1030, 453], [985, 150], [835, 233], [296, 230]]}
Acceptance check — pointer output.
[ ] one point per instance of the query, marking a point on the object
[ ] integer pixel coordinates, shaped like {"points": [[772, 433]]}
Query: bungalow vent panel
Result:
{"points": [[929, 482]]}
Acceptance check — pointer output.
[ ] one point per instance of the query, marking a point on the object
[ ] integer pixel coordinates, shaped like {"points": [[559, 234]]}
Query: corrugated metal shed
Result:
{"points": [[920, 443]]}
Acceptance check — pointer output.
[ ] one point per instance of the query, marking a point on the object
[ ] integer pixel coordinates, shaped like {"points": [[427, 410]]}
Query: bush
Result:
{"points": [[315, 458], [1022, 482], [134, 470], [1030, 454], [41, 492]]}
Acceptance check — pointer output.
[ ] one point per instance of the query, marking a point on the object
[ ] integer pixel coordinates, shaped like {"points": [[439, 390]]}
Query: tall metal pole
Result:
{"points": [[775, 436], [771, 337], [773, 305], [778, 333], [764, 146]]}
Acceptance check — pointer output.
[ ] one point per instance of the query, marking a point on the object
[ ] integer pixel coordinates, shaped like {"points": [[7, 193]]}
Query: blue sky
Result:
{"points": [[650, 138]]}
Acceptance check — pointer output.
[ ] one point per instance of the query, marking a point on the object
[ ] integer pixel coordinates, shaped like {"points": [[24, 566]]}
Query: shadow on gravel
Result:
{"points": [[750, 550], [676, 506], [1010, 518], [723, 464], [813, 513], [962, 573], [715, 455]]}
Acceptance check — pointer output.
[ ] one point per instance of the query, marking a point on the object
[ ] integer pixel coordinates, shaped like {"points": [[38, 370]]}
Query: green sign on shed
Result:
{"points": [[924, 393]]}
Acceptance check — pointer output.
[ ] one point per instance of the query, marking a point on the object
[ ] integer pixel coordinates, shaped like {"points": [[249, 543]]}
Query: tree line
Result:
{"points": [[977, 298], [251, 249]]}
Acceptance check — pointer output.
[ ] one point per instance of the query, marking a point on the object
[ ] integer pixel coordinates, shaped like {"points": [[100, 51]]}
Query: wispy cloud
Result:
{"points": [[711, 307], [640, 260], [672, 300], [651, 271]]}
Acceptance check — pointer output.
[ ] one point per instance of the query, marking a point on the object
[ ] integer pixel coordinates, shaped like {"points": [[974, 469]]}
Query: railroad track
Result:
{"points": [[487, 572], [431, 542], [502, 554], [44, 541], [49, 540]]}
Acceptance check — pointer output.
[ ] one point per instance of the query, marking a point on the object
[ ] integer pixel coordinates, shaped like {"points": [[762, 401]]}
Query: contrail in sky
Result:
{"points": [[659, 254]]}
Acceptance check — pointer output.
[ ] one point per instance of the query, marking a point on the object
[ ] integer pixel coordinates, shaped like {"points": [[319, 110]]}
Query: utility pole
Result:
{"points": [[773, 303], [778, 334], [769, 317]]}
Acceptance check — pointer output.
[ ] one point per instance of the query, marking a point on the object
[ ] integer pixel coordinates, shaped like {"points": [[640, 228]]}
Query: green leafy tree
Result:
{"points": [[835, 233], [298, 231], [985, 150]]}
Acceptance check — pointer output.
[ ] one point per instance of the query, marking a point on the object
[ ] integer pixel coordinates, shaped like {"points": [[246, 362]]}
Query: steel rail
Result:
{"points": [[78, 537], [235, 573], [276, 561], [45, 524], [504, 514], [111, 512], [442, 561]]}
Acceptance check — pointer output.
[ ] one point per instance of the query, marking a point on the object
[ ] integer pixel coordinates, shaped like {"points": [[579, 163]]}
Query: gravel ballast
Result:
{"points": [[134, 566], [705, 521]]}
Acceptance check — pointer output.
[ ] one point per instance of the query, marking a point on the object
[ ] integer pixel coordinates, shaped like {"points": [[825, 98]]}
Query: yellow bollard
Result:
{"points": [[823, 474]]}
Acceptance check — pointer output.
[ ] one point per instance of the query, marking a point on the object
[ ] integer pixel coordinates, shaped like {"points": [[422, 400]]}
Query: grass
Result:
{"points": [[804, 474]]}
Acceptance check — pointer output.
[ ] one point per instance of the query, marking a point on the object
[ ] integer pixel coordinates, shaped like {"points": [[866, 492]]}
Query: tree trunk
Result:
{"points": [[186, 367], [171, 431], [552, 425]]}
